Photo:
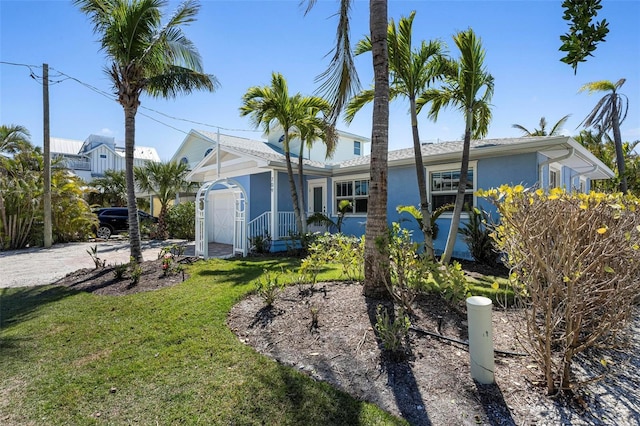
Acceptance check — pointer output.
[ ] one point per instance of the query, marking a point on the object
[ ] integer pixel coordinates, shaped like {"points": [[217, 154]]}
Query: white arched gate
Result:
{"points": [[203, 221]]}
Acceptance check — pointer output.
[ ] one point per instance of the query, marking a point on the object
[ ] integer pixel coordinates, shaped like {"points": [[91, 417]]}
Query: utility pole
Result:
{"points": [[47, 158]]}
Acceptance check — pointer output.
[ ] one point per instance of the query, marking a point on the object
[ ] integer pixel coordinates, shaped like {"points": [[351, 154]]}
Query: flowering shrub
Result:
{"points": [[576, 258], [169, 256]]}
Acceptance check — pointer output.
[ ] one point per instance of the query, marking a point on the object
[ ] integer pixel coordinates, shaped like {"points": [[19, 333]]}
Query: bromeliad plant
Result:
{"points": [[577, 261]]}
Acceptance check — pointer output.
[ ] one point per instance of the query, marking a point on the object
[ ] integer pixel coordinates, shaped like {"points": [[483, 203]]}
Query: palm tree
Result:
{"points": [[145, 57], [164, 180], [603, 147], [311, 128], [110, 189], [464, 80], [609, 113], [272, 106], [340, 83], [13, 139], [542, 131], [411, 73]]}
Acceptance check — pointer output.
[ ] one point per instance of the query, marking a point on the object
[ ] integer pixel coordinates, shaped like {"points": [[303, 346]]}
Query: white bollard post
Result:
{"points": [[480, 338]]}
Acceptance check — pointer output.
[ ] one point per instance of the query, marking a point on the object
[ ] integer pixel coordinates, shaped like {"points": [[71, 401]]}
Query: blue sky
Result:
{"points": [[243, 42]]}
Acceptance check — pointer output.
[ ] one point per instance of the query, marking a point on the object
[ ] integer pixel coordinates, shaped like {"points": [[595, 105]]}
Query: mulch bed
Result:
{"points": [[104, 282], [431, 383]]}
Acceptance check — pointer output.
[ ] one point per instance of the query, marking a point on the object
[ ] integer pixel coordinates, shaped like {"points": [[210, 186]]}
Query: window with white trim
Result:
{"points": [[554, 178], [443, 185], [582, 186], [354, 190], [357, 148]]}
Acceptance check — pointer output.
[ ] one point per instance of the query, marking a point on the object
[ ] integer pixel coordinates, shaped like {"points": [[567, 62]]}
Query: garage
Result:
{"points": [[223, 214], [219, 220]]}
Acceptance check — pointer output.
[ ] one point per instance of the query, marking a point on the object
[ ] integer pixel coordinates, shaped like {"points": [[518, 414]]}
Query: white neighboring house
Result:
{"points": [[90, 158]]}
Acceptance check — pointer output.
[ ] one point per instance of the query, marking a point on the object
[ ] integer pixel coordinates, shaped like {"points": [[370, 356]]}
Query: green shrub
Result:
{"points": [[477, 234], [268, 287], [392, 332], [181, 221]]}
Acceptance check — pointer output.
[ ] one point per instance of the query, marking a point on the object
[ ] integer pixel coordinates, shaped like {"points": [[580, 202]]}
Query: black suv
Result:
{"points": [[114, 220]]}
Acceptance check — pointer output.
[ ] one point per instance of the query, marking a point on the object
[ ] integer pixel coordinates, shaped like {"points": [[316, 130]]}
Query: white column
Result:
{"points": [[273, 226]]}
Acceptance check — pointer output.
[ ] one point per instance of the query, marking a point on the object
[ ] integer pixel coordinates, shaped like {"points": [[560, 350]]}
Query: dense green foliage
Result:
{"points": [[181, 221], [21, 201]]}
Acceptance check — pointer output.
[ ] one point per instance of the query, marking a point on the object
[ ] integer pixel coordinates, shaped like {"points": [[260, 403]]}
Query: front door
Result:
{"points": [[317, 197]]}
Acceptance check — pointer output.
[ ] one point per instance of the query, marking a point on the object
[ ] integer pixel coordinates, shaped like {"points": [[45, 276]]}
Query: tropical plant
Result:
{"points": [[21, 214], [319, 218], [72, 218], [608, 114], [110, 189], [477, 234], [21, 180], [13, 139], [181, 221], [271, 106], [411, 71], [145, 56], [416, 214], [602, 146], [164, 180], [542, 131], [468, 87]]}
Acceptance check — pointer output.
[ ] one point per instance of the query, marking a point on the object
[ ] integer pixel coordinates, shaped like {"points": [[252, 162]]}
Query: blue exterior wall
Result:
{"points": [[260, 188], [403, 190], [284, 193], [491, 172]]}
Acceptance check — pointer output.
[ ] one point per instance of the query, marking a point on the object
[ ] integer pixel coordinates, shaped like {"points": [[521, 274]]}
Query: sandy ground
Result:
{"points": [[39, 266]]}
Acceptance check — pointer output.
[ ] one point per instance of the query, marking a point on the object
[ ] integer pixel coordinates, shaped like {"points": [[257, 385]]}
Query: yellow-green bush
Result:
{"points": [[577, 260]]}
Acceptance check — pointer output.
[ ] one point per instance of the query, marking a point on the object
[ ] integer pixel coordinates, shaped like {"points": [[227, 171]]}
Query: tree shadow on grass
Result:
{"points": [[21, 304], [247, 270], [311, 402]]}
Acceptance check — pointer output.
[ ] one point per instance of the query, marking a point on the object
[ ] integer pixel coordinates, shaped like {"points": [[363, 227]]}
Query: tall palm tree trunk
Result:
{"points": [[129, 142], [376, 262], [294, 192], [617, 138], [422, 184], [462, 188]]}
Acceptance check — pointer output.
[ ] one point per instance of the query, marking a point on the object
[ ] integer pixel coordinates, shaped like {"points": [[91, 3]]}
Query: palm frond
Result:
{"points": [[339, 82]]}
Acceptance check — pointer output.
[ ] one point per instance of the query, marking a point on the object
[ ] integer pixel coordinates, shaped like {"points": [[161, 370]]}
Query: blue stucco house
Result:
{"points": [[244, 190]]}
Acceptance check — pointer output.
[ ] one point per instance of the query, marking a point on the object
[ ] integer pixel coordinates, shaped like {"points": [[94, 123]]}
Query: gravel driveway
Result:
{"points": [[39, 266]]}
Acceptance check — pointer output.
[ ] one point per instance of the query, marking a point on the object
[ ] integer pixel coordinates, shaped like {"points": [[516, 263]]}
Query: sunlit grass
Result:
{"points": [[159, 357]]}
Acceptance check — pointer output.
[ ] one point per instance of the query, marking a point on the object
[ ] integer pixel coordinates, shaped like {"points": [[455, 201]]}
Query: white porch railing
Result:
{"points": [[286, 224], [260, 226]]}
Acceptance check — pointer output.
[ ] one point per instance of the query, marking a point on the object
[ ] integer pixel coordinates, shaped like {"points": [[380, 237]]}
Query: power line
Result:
{"points": [[111, 97]]}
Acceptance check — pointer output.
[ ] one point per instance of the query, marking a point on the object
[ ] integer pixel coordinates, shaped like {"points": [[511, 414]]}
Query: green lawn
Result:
{"points": [[163, 357]]}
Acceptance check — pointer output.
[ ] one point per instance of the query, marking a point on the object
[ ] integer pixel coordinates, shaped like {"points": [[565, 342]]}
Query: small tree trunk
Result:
{"points": [[303, 210], [462, 187], [617, 138], [422, 184]]}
